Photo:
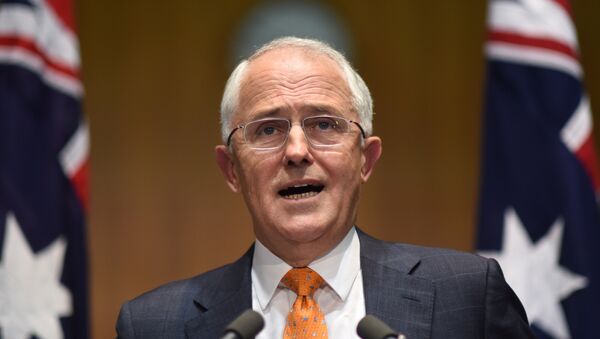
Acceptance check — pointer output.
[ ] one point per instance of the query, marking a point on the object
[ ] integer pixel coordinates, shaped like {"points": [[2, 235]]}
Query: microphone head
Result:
{"points": [[246, 325], [370, 327]]}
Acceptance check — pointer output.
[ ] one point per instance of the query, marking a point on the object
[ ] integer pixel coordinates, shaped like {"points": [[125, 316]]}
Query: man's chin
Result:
{"points": [[303, 233]]}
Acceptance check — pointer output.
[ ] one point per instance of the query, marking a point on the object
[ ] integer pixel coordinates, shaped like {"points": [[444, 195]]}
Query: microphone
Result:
{"points": [[245, 326], [371, 327]]}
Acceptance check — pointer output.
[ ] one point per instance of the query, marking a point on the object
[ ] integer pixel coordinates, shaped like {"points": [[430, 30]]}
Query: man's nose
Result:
{"points": [[297, 149]]}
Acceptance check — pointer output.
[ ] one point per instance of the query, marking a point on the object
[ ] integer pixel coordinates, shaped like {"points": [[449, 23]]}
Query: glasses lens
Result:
{"points": [[266, 133], [325, 130]]}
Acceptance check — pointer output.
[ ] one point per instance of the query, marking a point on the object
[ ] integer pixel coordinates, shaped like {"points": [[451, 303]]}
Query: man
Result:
{"points": [[296, 126]]}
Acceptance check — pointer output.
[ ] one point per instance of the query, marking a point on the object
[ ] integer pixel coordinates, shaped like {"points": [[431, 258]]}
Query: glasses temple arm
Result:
{"points": [[362, 131], [231, 135]]}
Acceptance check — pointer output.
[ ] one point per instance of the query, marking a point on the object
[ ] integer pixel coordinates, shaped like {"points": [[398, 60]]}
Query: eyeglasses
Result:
{"points": [[272, 133]]}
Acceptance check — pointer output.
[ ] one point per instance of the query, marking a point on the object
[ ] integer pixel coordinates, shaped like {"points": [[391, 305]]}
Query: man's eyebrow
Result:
{"points": [[309, 108], [265, 114], [322, 109]]}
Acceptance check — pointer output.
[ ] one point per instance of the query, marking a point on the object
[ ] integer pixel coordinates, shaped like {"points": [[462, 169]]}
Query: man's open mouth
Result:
{"points": [[300, 191]]}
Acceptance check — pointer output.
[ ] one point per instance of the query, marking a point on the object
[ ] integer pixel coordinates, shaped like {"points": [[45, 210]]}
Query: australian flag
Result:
{"points": [[539, 213], [43, 173]]}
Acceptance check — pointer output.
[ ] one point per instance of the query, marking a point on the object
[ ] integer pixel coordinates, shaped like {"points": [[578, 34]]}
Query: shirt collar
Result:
{"points": [[339, 268]]}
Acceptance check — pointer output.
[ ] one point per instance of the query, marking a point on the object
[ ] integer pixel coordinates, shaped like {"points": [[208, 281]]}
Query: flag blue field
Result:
{"points": [[43, 173], [538, 213]]}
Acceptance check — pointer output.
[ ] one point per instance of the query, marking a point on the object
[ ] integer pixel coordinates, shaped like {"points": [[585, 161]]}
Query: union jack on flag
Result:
{"points": [[43, 173], [538, 213]]}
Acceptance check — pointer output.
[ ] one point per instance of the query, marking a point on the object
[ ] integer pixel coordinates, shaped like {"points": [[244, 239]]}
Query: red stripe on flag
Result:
{"points": [[566, 5], [587, 155], [549, 44], [30, 46], [80, 183], [64, 10]]}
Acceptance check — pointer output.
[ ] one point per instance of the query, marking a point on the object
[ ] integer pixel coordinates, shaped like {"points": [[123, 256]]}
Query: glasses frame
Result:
{"points": [[290, 124]]}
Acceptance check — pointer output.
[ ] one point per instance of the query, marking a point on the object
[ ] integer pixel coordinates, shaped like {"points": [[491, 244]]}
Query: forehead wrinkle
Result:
{"points": [[283, 82], [288, 103], [288, 78], [289, 95], [286, 89], [318, 108]]}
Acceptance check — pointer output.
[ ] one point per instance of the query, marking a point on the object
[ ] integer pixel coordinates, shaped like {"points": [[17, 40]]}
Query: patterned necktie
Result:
{"points": [[305, 320]]}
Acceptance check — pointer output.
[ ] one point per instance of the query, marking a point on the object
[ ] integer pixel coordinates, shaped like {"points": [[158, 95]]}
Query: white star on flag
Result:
{"points": [[31, 295], [534, 273]]}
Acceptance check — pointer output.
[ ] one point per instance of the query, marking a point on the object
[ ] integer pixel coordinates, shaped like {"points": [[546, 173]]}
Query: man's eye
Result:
{"points": [[325, 125], [268, 130]]}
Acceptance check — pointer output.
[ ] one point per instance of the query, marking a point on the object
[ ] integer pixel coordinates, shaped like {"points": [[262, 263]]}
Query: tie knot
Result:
{"points": [[303, 281]]}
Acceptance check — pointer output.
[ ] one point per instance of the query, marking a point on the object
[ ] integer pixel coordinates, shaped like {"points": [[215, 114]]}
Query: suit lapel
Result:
{"points": [[224, 301], [392, 294]]}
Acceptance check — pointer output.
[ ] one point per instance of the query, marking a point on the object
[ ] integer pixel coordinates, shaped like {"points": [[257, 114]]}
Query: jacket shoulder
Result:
{"points": [[173, 292], [426, 262], [168, 307], [439, 263]]}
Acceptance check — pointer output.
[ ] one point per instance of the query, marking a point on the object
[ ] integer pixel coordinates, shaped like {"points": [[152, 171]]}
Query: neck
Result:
{"points": [[301, 254], [300, 259]]}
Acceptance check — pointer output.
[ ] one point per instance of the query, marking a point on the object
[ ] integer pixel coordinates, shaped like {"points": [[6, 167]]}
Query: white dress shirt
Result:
{"points": [[341, 299]]}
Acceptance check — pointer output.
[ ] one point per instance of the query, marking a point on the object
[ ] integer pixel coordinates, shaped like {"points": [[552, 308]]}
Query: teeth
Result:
{"points": [[301, 196]]}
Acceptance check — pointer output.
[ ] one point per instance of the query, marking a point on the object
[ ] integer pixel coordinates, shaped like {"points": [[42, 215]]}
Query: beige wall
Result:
{"points": [[154, 72]]}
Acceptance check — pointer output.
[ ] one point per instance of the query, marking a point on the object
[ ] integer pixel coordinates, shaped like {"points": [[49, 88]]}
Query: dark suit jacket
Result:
{"points": [[421, 292]]}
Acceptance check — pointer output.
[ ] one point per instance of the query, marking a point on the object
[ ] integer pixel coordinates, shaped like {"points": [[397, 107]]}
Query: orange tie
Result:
{"points": [[305, 320]]}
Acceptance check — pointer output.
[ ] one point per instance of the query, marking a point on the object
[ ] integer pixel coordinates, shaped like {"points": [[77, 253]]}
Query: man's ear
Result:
{"points": [[227, 166], [371, 152]]}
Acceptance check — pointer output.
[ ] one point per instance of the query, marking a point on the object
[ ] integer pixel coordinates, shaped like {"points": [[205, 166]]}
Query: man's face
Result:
{"points": [[301, 197]]}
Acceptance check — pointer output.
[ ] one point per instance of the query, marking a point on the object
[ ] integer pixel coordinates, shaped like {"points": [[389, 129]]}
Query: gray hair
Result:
{"points": [[361, 97]]}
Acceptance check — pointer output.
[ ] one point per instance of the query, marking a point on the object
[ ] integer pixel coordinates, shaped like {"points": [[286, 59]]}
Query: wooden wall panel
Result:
{"points": [[154, 72]]}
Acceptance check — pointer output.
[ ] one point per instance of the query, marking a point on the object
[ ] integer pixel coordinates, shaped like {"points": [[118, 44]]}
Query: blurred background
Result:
{"points": [[154, 73]]}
